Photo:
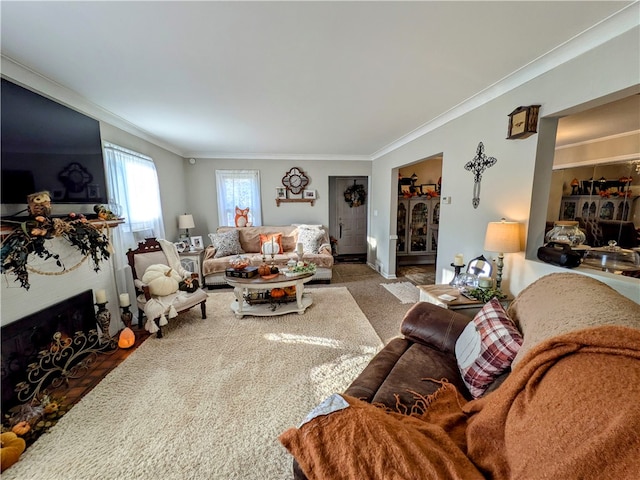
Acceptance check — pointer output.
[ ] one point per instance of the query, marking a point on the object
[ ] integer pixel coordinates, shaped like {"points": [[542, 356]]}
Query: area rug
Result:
{"points": [[406, 292], [209, 400]]}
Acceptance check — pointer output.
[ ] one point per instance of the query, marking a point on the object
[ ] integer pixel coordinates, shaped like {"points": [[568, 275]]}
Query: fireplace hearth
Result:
{"points": [[48, 347]]}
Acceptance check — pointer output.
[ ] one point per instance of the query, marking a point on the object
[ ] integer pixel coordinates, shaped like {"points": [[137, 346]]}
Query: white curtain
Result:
{"points": [[239, 188], [134, 194]]}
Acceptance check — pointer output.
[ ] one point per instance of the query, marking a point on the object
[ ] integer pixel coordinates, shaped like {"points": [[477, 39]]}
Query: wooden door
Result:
{"points": [[350, 221]]}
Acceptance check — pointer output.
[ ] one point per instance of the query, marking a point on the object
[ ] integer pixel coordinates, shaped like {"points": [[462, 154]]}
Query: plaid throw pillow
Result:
{"points": [[486, 347]]}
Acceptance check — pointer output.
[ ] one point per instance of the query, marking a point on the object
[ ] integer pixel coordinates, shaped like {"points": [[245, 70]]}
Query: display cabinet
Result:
{"points": [[417, 226], [596, 207]]}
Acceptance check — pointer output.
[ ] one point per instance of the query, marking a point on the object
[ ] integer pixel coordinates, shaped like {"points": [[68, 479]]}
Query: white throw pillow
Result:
{"points": [[311, 239]]}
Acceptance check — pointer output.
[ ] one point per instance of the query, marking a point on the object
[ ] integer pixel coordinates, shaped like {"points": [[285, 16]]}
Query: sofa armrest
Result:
{"points": [[433, 326]]}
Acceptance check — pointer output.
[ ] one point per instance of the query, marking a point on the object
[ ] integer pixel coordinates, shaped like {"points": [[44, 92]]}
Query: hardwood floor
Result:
{"points": [[76, 388]]}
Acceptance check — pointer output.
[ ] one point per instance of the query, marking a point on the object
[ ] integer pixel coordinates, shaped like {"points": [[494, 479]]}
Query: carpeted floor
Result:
{"points": [[406, 292], [384, 311], [209, 400]]}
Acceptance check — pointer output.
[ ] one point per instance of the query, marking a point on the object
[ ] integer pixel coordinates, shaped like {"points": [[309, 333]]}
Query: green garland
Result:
{"points": [[29, 237]]}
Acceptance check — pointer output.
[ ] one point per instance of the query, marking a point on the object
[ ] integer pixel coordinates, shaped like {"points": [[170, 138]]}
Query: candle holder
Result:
{"points": [[127, 338], [126, 316], [457, 269], [103, 318]]}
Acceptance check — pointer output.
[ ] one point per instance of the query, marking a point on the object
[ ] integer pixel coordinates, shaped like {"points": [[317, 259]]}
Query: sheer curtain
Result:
{"points": [[239, 188], [135, 193]]}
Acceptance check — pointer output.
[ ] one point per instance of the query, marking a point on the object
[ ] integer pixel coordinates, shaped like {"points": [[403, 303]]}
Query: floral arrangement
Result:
{"points": [[30, 236], [303, 267], [486, 294]]}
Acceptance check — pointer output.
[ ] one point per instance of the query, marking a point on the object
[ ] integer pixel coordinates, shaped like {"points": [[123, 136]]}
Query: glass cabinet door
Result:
{"points": [[401, 228], [418, 226]]}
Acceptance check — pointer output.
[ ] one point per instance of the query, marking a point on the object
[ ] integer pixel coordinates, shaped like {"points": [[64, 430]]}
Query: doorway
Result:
{"points": [[348, 220], [418, 214]]}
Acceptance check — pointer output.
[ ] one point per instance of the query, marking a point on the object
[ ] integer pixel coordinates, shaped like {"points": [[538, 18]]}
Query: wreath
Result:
{"points": [[355, 195], [29, 237]]}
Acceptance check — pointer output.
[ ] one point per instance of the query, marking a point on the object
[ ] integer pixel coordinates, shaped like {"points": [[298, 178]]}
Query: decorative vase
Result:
{"points": [[566, 232], [103, 317]]}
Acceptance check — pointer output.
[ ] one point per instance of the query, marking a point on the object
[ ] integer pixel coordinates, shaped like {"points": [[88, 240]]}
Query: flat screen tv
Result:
{"points": [[48, 146]]}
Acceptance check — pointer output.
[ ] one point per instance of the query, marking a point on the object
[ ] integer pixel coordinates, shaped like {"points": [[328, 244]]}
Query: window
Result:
{"points": [[133, 187], [238, 188]]}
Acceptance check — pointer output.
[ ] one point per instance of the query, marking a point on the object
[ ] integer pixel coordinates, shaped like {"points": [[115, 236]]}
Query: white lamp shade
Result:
{"points": [[503, 237], [186, 221]]}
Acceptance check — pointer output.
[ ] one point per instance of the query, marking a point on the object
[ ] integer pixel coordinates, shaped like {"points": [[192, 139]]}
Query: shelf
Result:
{"points": [[295, 200], [9, 226]]}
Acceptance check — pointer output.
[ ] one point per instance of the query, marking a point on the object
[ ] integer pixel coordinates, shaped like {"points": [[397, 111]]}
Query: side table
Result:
{"points": [[192, 261], [461, 304]]}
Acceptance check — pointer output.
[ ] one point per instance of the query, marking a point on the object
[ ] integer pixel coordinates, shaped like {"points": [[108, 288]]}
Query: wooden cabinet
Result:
{"points": [[417, 226], [596, 207]]}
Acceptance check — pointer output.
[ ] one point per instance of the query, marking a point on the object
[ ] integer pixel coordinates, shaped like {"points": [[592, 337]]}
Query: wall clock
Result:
{"points": [[295, 180], [523, 122]]}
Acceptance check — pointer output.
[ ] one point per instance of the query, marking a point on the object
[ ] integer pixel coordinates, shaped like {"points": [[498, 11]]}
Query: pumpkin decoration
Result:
{"points": [[161, 279], [264, 270], [21, 428], [51, 407], [11, 447], [277, 293], [290, 290]]}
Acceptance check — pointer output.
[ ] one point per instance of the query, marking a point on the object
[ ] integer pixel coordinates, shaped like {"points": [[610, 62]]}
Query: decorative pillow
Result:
{"points": [[486, 347], [271, 243], [226, 243], [311, 239]]}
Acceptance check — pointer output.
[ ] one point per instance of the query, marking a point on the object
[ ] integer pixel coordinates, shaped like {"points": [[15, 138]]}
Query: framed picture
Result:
{"points": [[196, 243], [281, 193], [428, 188], [180, 246], [309, 194]]}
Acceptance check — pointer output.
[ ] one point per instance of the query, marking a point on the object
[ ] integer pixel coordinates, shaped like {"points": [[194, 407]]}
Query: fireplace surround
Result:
{"points": [[24, 339]]}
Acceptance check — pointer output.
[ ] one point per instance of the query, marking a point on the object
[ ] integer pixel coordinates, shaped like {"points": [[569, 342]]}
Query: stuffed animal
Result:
{"points": [[242, 217]]}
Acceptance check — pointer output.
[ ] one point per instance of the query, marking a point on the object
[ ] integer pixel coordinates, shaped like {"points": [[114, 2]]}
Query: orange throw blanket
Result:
{"points": [[570, 409]]}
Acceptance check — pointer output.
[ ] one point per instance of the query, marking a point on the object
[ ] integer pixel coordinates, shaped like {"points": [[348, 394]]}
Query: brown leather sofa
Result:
{"points": [[555, 304], [426, 350]]}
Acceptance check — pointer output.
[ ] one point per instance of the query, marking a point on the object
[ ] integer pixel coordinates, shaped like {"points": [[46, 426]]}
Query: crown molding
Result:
{"points": [[599, 139], [283, 156]]}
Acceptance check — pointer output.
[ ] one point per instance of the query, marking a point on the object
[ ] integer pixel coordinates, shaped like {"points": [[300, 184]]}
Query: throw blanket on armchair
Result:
{"points": [[568, 410]]}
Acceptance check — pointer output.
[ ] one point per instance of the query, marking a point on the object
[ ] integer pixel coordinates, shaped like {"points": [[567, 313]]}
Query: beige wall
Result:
{"points": [[200, 179], [508, 188]]}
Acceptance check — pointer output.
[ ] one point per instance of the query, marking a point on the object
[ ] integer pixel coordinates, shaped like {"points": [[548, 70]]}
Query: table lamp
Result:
{"points": [[186, 221], [502, 237]]}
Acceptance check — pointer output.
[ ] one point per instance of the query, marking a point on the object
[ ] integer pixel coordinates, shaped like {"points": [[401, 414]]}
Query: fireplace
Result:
{"points": [[23, 339]]}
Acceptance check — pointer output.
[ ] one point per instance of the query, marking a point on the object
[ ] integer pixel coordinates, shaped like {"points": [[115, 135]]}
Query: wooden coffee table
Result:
{"points": [[462, 304], [244, 288]]}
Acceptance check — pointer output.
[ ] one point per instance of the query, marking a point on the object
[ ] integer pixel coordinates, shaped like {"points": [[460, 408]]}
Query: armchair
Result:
{"points": [[156, 308]]}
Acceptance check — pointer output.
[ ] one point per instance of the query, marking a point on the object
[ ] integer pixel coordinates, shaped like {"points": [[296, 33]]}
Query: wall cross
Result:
{"points": [[478, 165]]}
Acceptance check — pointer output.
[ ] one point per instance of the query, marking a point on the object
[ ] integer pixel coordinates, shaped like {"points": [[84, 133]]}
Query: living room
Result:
{"points": [[594, 68]]}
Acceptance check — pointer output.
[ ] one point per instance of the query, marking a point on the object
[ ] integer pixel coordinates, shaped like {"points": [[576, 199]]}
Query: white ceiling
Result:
{"points": [[316, 79]]}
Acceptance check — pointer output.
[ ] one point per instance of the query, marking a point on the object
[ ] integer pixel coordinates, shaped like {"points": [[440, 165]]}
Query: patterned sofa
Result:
{"points": [[228, 242]]}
